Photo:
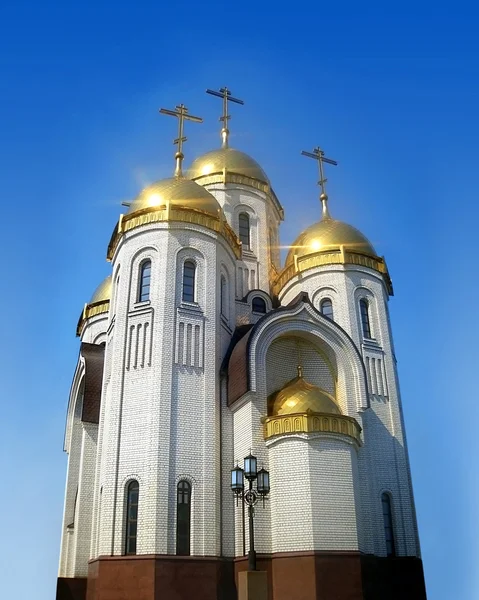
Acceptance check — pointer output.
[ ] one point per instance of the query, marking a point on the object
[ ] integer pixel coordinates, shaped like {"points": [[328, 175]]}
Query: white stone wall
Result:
{"points": [[84, 501], [383, 460], [307, 471], [73, 446], [252, 272], [314, 493], [94, 329], [161, 416]]}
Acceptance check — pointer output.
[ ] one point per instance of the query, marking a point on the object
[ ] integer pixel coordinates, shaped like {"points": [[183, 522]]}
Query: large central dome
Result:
{"points": [[226, 159], [176, 191]]}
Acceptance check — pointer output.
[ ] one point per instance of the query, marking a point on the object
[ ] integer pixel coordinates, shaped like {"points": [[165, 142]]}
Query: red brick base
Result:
{"points": [[291, 576]]}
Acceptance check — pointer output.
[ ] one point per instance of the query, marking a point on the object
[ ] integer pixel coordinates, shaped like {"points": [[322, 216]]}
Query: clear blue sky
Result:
{"points": [[390, 91]]}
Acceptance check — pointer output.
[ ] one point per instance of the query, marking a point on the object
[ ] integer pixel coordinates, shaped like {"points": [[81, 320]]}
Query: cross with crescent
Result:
{"points": [[181, 113], [225, 94]]}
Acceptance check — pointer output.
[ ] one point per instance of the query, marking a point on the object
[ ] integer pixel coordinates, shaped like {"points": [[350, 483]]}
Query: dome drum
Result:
{"points": [[228, 165], [99, 304], [342, 256], [174, 212], [310, 422]]}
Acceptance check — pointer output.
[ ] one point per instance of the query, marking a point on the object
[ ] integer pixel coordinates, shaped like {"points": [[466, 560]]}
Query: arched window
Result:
{"points": [[244, 233], [183, 518], [189, 276], [326, 308], [132, 492], [224, 296], [388, 524], [258, 305], [364, 308], [144, 287]]}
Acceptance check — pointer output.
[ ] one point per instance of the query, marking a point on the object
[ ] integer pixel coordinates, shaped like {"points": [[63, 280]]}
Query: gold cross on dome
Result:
{"points": [[181, 113], [318, 155], [225, 94]]}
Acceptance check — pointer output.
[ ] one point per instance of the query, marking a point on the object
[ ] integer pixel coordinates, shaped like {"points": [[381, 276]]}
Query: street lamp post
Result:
{"points": [[250, 497]]}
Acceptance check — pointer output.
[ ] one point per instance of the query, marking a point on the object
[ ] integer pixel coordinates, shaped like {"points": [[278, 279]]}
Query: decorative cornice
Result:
{"points": [[334, 257], [228, 177], [310, 422], [91, 310], [167, 213]]}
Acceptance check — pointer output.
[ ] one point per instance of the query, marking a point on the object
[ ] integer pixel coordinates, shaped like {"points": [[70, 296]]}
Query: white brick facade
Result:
{"points": [[165, 416]]}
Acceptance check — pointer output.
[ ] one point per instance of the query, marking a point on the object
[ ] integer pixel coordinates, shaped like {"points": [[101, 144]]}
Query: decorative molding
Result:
{"points": [[91, 310], [334, 257], [310, 422], [160, 214], [140, 341], [226, 176], [189, 344]]}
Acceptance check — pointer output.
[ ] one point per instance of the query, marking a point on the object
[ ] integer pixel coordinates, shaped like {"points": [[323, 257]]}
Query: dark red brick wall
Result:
{"points": [[291, 576], [393, 578], [73, 588]]}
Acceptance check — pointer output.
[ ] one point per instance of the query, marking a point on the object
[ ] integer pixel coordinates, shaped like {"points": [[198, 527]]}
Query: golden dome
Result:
{"points": [[231, 160], [299, 396], [176, 191], [329, 234], [102, 292]]}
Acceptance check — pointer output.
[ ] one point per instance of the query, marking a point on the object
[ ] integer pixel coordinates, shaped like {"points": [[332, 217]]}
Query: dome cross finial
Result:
{"points": [[227, 97], [181, 113], [318, 155]]}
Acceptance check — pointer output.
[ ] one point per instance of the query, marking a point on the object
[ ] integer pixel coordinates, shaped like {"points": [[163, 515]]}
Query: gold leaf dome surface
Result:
{"points": [[102, 292], [176, 191], [329, 234], [229, 159], [299, 396]]}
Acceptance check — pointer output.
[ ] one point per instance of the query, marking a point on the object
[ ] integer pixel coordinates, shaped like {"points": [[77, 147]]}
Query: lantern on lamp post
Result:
{"points": [[250, 496]]}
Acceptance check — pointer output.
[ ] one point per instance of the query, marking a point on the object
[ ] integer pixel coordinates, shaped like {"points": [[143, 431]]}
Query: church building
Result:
{"points": [[201, 348]]}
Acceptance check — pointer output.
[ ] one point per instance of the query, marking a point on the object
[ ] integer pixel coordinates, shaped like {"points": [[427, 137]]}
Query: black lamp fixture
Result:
{"points": [[250, 496]]}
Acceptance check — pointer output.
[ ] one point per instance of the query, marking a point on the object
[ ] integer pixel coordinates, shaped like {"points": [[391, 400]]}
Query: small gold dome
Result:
{"points": [[176, 191], [329, 234], [229, 159], [102, 292], [299, 396]]}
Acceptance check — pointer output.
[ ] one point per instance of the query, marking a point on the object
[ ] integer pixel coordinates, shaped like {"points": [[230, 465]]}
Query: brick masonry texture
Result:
{"points": [[160, 395]]}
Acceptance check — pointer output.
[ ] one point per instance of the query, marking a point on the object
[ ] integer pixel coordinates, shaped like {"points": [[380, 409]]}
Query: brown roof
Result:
{"points": [[94, 356]]}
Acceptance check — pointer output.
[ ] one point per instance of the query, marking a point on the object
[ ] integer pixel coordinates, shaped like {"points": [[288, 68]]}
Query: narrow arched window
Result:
{"points": [[388, 524], [364, 308], [132, 492], [326, 308], [244, 230], [224, 296], [258, 305], [183, 518], [144, 287], [189, 276]]}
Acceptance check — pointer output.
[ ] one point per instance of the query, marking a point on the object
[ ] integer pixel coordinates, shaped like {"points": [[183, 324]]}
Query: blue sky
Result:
{"points": [[391, 92]]}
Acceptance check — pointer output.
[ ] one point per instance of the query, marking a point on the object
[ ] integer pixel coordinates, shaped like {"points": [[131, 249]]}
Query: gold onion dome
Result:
{"points": [[226, 160], [326, 235], [178, 192], [102, 292], [299, 396]]}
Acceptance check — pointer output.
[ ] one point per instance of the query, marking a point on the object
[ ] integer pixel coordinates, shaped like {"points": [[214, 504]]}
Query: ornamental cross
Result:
{"points": [[225, 94], [318, 155], [181, 113]]}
